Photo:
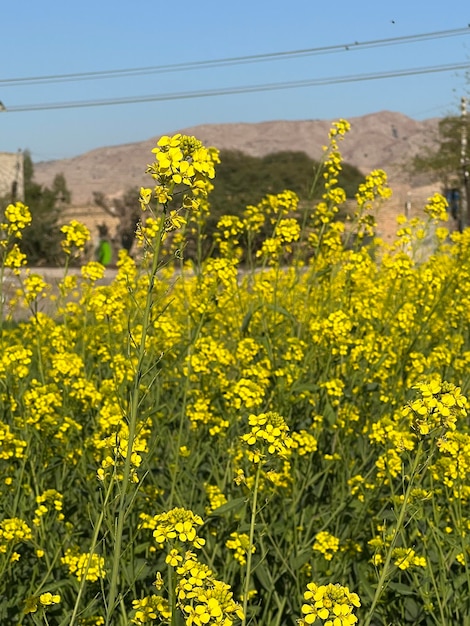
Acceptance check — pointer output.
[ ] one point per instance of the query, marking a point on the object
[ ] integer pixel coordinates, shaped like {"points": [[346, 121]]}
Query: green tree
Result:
{"points": [[243, 179], [41, 240], [443, 160], [448, 163]]}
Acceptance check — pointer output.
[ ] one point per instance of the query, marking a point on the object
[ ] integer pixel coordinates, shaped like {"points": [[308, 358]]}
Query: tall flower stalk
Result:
{"points": [[267, 439], [182, 170]]}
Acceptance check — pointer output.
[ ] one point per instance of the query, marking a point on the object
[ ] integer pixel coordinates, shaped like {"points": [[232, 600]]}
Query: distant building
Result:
{"points": [[11, 176]]}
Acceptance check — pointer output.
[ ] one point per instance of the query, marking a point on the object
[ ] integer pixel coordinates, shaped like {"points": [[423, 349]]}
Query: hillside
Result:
{"points": [[379, 140]]}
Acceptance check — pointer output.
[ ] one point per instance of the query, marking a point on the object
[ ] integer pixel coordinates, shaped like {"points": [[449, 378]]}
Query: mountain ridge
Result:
{"points": [[383, 140]]}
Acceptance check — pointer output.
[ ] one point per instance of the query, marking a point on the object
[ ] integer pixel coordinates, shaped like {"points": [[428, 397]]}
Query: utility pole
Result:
{"points": [[465, 203]]}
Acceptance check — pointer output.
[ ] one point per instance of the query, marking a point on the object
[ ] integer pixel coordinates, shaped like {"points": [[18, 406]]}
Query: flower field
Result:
{"points": [[272, 434]]}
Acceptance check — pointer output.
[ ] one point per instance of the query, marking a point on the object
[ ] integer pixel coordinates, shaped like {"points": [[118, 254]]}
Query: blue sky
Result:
{"points": [[52, 37]]}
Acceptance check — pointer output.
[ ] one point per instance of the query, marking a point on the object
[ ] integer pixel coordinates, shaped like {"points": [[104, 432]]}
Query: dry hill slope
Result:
{"points": [[379, 140]]}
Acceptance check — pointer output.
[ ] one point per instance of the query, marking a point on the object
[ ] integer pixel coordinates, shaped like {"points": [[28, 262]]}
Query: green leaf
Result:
{"points": [[263, 575], [298, 560], [402, 589], [412, 609], [233, 505]]}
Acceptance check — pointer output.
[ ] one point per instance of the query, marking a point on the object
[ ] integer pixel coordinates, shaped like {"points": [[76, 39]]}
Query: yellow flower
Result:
{"points": [[84, 565], [174, 221], [271, 432], [93, 271], [145, 197], [34, 286], [327, 544], [240, 544], [439, 405], [76, 237], [436, 207], [173, 558], [46, 599], [15, 259], [339, 128], [149, 608], [332, 603], [178, 524], [18, 217]]}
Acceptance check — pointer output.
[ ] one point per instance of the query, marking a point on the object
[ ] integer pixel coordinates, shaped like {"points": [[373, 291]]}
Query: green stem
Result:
{"points": [[251, 544], [176, 465], [172, 596], [94, 541], [132, 425], [381, 585], [2, 296], [438, 592]]}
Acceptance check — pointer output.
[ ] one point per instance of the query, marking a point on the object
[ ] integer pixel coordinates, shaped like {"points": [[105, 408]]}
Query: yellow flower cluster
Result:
{"points": [[34, 287], [15, 259], [270, 250], [150, 608], [68, 365], [45, 500], [13, 530], [201, 598], [178, 524], [389, 464], [92, 271], [115, 449], [406, 558], [326, 543], [17, 217], [240, 544], [403, 558], [453, 463], [127, 268], [84, 565], [334, 604], [332, 165], [76, 237], [287, 230], [273, 206], [41, 403], [270, 432], [211, 603], [227, 235], [374, 186], [180, 160], [436, 207], [15, 361], [11, 447], [215, 496], [304, 442], [44, 600], [339, 129], [147, 232], [439, 405], [107, 303]]}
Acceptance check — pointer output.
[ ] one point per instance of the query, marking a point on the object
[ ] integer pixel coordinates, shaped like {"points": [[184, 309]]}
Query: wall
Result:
{"points": [[11, 175]]}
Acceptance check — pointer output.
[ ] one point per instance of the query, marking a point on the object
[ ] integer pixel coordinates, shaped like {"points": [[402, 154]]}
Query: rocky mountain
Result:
{"points": [[385, 140]]}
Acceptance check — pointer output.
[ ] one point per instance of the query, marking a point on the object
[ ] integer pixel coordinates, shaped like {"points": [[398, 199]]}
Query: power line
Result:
{"points": [[223, 62], [242, 89]]}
